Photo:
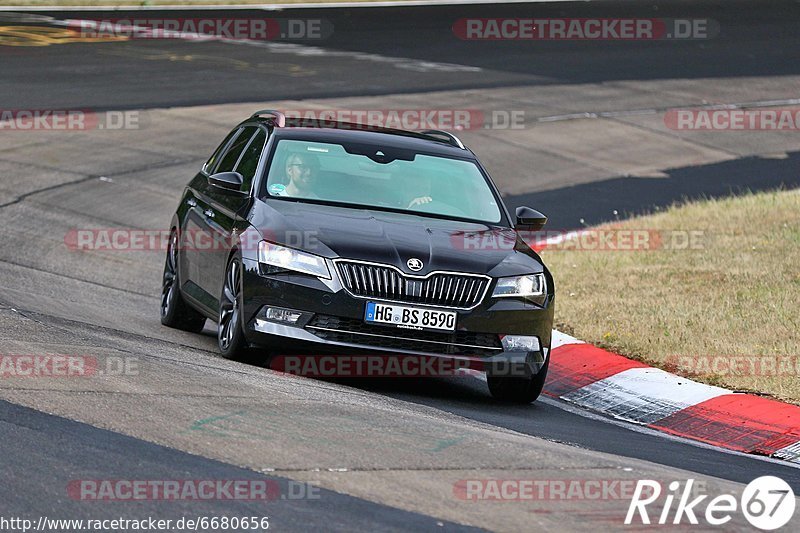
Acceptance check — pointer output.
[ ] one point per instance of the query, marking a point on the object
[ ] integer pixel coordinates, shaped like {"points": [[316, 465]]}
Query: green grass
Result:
{"points": [[737, 296]]}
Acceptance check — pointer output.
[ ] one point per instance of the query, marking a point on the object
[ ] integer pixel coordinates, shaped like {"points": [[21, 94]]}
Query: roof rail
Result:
{"points": [[451, 139], [279, 118]]}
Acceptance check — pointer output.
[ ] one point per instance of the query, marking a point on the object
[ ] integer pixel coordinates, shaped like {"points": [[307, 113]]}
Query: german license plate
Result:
{"points": [[403, 316]]}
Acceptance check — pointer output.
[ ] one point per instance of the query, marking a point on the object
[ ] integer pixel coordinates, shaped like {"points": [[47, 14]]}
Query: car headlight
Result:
{"points": [[283, 258], [532, 287]]}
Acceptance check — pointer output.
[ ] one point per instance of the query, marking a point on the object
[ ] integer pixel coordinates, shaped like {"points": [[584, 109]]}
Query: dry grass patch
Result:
{"points": [[725, 312]]}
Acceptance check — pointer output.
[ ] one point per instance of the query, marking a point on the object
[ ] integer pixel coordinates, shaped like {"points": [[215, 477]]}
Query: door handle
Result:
{"points": [[209, 213], [192, 202]]}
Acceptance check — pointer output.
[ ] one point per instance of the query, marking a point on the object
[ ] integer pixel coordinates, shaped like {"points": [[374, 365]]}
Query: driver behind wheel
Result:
{"points": [[418, 188], [302, 171]]}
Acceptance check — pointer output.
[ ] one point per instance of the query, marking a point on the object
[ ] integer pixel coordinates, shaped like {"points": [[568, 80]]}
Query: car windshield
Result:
{"points": [[368, 175]]}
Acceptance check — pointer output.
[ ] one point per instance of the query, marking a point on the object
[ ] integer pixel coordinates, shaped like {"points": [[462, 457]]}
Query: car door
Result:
{"points": [[220, 214], [236, 206], [193, 236]]}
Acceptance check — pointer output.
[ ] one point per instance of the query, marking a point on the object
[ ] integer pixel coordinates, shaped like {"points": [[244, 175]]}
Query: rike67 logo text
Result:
{"points": [[766, 502]]}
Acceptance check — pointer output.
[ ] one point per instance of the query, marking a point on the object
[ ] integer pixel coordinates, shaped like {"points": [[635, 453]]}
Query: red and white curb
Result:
{"points": [[601, 381]]}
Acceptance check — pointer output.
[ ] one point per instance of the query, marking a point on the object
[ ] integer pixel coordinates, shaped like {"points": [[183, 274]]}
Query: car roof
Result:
{"points": [[432, 141]]}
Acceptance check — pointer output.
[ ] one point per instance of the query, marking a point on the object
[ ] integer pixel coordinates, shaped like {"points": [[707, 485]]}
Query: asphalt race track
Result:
{"points": [[383, 454]]}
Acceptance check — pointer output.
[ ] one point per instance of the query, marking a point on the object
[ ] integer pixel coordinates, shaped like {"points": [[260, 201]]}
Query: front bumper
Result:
{"points": [[332, 323]]}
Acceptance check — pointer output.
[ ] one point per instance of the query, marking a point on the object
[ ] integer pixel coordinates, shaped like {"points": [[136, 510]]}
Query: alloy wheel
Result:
{"points": [[170, 276], [229, 306]]}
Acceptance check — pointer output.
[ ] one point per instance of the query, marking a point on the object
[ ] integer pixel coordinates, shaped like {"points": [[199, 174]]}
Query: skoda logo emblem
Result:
{"points": [[414, 264]]}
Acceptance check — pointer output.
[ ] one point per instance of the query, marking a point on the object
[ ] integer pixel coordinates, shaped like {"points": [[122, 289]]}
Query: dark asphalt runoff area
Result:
{"points": [[57, 454], [43, 452], [753, 41]]}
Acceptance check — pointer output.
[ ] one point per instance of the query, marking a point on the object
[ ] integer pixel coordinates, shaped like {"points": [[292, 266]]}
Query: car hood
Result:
{"points": [[394, 238]]}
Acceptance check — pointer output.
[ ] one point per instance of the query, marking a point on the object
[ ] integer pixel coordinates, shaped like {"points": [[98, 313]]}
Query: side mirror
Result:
{"points": [[228, 181], [530, 219]]}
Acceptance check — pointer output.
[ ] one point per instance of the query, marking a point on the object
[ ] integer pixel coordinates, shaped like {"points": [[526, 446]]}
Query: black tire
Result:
{"points": [[518, 390], [230, 335], [175, 312]]}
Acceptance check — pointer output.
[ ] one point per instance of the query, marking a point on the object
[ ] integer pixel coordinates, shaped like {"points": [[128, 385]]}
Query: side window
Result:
{"points": [[209, 166], [249, 161], [231, 156]]}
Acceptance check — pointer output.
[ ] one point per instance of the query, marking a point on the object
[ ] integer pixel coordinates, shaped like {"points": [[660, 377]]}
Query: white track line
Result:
{"points": [[789, 453], [402, 63]]}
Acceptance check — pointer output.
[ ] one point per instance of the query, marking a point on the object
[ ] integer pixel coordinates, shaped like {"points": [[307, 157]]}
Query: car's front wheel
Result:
{"points": [[518, 390], [230, 335], [175, 312]]}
